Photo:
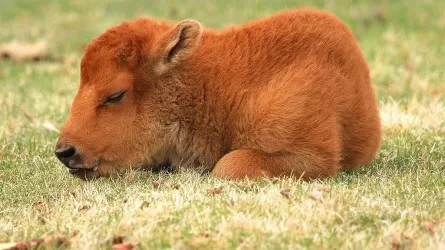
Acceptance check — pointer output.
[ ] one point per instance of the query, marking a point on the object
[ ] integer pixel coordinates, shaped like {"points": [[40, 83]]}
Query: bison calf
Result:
{"points": [[288, 95]]}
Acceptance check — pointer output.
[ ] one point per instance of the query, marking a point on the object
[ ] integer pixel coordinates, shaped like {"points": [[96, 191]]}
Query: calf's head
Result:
{"points": [[126, 106]]}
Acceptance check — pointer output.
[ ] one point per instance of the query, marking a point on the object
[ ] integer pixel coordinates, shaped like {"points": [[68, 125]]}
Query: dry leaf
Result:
{"points": [[58, 240], [118, 240], [75, 233], [28, 116], [401, 241], [144, 204], [21, 245], [43, 242], [35, 243], [115, 240], [379, 16], [156, 184], [39, 206], [286, 193], [395, 242], [428, 225], [409, 67], [175, 186], [43, 218], [316, 195], [123, 246], [84, 208], [214, 191], [24, 51]]}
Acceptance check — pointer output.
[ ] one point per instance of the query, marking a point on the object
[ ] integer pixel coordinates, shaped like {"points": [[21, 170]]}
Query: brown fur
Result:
{"points": [[288, 95]]}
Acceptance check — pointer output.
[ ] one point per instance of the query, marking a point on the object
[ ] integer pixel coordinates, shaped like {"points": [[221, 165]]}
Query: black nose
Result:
{"points": [[65, 153]]}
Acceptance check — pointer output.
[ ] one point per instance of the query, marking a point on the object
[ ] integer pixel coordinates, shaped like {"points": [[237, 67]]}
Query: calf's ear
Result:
{"points": [[178, 43]]}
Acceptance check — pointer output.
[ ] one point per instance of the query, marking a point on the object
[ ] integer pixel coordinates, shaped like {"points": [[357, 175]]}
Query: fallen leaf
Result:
{"points": [[35, 243], [407, 241], [395, 242], [379, 16], [49, 242], [156, 184], [84, 208], [46, 242], [401, 241], [57, 240], [428, 225], [175, 185], [144, 204], [123, 246], [214, 191], [74, 233], [118, 240], [29, 117], [316, 195], [409, 67], [39, 206], [24, 51], [21, 245], [286, 193], [207, 233], [43, 218], [74, 194]]}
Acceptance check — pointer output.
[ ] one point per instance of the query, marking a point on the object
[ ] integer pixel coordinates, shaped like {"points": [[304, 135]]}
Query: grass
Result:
{"points": [[381, 206]]}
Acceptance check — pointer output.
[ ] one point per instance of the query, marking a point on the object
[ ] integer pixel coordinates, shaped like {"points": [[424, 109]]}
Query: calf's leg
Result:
{"points": [[252, 164]]}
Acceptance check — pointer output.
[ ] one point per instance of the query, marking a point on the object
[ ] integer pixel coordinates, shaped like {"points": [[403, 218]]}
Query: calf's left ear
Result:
{"points": [[178, 43]]}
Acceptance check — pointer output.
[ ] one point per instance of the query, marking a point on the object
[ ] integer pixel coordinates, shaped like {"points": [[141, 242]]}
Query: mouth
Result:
{"points": [[75, 170], [102, 168], [85, 173]]}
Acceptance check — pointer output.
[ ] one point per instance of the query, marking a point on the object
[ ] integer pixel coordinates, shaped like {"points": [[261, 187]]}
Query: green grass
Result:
{"points": [[372, 207]]}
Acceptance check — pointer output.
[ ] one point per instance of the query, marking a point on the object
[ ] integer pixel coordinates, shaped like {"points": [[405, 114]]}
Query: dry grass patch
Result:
{"points": [[397, 202]]}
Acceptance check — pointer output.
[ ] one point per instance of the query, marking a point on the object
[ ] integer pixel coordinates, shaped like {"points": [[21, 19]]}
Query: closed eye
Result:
{"points": [[116, 97]]}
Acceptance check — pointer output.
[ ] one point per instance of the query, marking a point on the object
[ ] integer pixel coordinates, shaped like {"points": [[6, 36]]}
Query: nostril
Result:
{"points": [[65, 152]]}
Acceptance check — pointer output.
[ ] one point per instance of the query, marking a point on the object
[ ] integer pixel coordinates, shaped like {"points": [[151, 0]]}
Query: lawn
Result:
{"points": [[397, 202]]}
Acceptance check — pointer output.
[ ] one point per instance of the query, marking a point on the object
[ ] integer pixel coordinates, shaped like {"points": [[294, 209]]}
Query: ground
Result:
{"points": [[397, 202]]}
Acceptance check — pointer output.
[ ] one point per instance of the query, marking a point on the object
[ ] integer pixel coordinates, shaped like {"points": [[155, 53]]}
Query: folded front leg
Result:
{"points": [[252, 164]]}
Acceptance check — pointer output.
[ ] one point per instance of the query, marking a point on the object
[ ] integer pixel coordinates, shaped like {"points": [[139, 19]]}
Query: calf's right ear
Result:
{"points": [[177, 44]]}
